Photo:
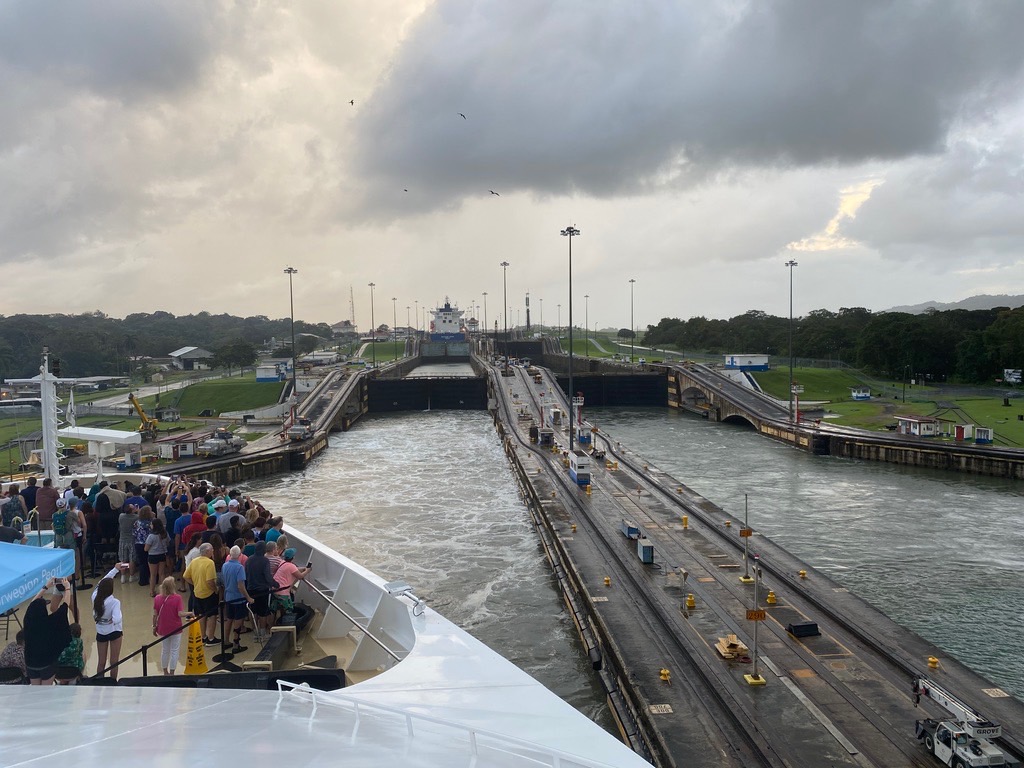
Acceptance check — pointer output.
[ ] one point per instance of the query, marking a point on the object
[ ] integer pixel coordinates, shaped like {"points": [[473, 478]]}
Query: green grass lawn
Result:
{"points": [[224, 395], [833, 386], [386, 351]]}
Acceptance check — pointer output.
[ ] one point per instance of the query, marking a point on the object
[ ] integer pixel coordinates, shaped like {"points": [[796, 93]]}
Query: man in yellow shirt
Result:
{"points": [[202, 575]]}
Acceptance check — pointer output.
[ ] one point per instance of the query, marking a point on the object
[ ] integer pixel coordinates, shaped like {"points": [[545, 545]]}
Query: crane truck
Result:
{"points": [[147, 424], [962, 740]]}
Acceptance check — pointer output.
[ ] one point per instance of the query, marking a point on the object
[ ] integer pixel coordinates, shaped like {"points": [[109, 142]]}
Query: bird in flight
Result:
{"points": [[493, 192], [462, 116], [352, 102], [405, 190]]}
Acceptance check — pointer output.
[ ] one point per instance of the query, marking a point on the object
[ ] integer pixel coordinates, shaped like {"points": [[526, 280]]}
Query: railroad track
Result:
{"points": [[737, 742], [893, 734]]}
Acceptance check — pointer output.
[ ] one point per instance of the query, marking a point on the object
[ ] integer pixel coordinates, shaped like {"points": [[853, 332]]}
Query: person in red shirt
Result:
{"points": [[198, 525]]}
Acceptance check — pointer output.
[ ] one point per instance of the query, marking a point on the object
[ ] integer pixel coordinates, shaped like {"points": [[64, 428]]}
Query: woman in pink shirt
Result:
{"points": [[286, 577], [167, 613]]}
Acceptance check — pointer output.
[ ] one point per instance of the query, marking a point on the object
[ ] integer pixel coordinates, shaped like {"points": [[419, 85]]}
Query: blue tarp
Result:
{"points": [[25, 570]]}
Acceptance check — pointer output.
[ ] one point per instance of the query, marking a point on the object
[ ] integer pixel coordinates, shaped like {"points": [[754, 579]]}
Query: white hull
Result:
{"points": [[447, 699]]}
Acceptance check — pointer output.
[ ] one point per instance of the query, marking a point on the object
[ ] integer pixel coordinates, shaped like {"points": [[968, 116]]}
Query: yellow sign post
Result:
{"points": [[195, 657]]}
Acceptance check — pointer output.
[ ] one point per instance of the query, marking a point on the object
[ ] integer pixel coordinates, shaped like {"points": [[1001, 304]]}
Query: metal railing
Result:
{"points": [[145, 649], [365, 630], [346, 700]]}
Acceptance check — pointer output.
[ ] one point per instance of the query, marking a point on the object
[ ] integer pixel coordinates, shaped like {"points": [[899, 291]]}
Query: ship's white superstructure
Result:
{"points": [[435, 696]]}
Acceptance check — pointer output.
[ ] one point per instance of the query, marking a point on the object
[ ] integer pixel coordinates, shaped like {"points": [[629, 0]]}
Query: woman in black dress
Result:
{"points": [[47, 632]]}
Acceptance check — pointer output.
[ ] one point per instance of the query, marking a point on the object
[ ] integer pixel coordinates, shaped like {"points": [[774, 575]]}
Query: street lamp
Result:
{"points": [[373, 328], [485, 313], [558, 328], [541, 312], [504, 288], [791, 263], [586, 321], [394, 319], [407, 322], [905, 369], [291, 301], [417, 301], [632, 325], [570, 232]]}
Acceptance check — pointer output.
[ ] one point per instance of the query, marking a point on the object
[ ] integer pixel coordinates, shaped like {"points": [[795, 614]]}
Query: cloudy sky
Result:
{"points": [[179, 154]]}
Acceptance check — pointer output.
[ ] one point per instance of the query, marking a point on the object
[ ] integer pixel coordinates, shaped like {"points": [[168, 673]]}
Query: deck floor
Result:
{"points": [[137, 611]]}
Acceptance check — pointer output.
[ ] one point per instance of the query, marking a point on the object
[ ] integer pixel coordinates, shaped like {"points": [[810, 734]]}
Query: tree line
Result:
{"points": [[962, 345], [94, 344]]}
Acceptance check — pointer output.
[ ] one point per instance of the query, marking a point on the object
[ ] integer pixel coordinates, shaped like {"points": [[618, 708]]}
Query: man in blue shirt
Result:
{"points": [[236, 598]]}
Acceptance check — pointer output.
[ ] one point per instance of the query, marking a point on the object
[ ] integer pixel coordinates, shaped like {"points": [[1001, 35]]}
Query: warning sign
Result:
{"points": [[195, 657]]}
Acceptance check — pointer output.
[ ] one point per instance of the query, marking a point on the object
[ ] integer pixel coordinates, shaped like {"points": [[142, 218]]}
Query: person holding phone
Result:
{"points": [[287, 576], [47, 632]]}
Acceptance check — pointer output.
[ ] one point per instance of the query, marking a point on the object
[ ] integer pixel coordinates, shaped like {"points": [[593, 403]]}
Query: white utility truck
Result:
{"points": [[962, 740]]}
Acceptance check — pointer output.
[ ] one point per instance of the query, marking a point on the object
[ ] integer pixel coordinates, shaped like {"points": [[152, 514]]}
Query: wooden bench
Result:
{"points": [[283, 638]]}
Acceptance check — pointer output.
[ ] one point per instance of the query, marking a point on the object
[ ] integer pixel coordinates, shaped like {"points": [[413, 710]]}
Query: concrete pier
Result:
{"points": [[836, 672]]}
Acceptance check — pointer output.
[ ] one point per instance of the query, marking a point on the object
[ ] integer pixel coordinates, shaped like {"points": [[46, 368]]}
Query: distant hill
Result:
{"points": [[974, 302]]}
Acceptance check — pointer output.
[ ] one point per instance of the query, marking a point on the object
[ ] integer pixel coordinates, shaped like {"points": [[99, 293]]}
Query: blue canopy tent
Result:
{"points": [[25, 570]]}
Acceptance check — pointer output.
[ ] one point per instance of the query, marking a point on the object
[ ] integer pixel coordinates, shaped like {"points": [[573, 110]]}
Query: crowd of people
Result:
{"points": [[177, 537]]}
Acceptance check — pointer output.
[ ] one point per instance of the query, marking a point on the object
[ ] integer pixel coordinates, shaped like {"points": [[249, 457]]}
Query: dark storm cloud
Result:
{"points": [[612, 98], [123, 48]]}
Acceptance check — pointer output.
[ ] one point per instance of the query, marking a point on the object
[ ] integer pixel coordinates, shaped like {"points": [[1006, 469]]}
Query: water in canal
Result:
{"points": [[430, 498], [939, 552]]}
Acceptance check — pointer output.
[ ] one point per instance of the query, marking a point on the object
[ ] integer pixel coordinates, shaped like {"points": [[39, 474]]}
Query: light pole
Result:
{"points": [[504, 288], [541, 312], [407, 321], [394, 320], [373, 328], [558, 328], [586, 321], [790, 264], [291, 302], [571, 232], [417, 301], [905, 369], [632, 325]]}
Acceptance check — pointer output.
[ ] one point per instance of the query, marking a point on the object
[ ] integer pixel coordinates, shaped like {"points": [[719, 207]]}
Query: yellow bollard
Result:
{"points": [[771, 599], [607, 581], [933, 663], [679, 489], [686, 522], [574, 527], [728, 523], [588, 489], [645, 467], [691, 602], [552, 494], [666, 676], [803, 574]]}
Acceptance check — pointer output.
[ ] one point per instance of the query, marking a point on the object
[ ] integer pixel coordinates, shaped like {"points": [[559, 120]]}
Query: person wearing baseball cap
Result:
{"points": [[225, 519], [63, 537], [287, 576]]}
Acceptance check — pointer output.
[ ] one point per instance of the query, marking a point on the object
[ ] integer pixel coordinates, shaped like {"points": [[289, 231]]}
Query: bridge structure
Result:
{"points": [[702, 390]]}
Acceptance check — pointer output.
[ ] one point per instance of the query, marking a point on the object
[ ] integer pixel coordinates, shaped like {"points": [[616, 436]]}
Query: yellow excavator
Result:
{"points": [[147, 424]]}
